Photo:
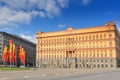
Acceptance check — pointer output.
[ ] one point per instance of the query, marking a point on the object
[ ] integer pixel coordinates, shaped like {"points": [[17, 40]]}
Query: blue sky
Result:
{"points": [[26, 17]]}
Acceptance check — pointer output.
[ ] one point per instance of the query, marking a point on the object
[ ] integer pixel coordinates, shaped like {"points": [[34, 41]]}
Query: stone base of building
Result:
{"points": [[82, 63]]}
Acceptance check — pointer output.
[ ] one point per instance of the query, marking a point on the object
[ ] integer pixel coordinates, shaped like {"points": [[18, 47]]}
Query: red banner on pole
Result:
{"points": [[11, 51], [22, 55], [5, 55]]}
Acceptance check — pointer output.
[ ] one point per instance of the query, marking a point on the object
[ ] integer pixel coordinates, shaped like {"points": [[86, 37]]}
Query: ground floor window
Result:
{"points": [[106, 66], [111, 65]]}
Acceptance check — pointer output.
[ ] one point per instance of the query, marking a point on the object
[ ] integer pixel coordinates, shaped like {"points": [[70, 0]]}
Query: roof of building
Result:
{"points": [[70, 30], [16, 36]]}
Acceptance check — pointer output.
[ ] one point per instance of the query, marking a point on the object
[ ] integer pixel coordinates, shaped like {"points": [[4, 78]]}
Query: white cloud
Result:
{"points": [[63, 3], [86, 2], [62, 25], [22, 11], [30, 38], [10, 18]]}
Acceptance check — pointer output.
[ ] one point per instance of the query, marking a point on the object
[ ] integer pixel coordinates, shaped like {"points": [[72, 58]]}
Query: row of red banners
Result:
{"points": [[10, 54]]}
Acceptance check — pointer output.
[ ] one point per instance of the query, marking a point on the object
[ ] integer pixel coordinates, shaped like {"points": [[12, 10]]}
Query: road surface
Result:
{"points": [[61, 74]]}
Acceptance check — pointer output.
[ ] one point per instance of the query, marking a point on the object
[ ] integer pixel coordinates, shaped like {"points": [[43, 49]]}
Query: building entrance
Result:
{"points": [[70, 60]]}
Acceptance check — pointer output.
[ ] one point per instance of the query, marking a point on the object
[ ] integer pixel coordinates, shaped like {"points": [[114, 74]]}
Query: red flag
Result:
{"points": [[4, 56], [11, 52], [22, 55], [23, 60]]}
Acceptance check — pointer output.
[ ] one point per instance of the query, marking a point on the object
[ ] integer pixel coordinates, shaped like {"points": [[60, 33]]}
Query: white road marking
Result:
{"points": [[43, 75], [3, 78], [56, 74], [26, 76]]}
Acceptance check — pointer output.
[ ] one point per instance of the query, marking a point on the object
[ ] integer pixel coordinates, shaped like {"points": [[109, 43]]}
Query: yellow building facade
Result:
{"points": [[96, 47]]}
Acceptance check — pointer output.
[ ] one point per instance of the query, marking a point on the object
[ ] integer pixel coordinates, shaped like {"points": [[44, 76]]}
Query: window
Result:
{"points": [[86, 37], [86, 60], [111, 60], [105, 55], [79, 60], [93, 55], [97, 51], [79, 38], [83, 38], [86, 55], [90, 60], [100, 36], [93, 37], [96, 36], [87, 66], [110, 43], [101, 55], [104, 35], [97, 60], [101, 60], [80, 65], [89, 37], [106, 66], [97, 55], [102, 65], [110, 35], [111, 65], [98, 65], [105, 60]]}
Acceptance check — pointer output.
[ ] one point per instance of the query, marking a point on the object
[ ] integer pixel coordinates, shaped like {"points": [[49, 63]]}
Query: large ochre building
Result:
{"points": [[96, 47]]}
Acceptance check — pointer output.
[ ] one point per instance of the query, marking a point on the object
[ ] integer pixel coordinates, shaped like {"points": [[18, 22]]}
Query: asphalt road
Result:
{"points": [[61, 74]]}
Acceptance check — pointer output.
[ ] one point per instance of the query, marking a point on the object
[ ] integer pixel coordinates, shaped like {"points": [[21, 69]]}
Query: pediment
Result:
{"points": [[70, 29]]}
